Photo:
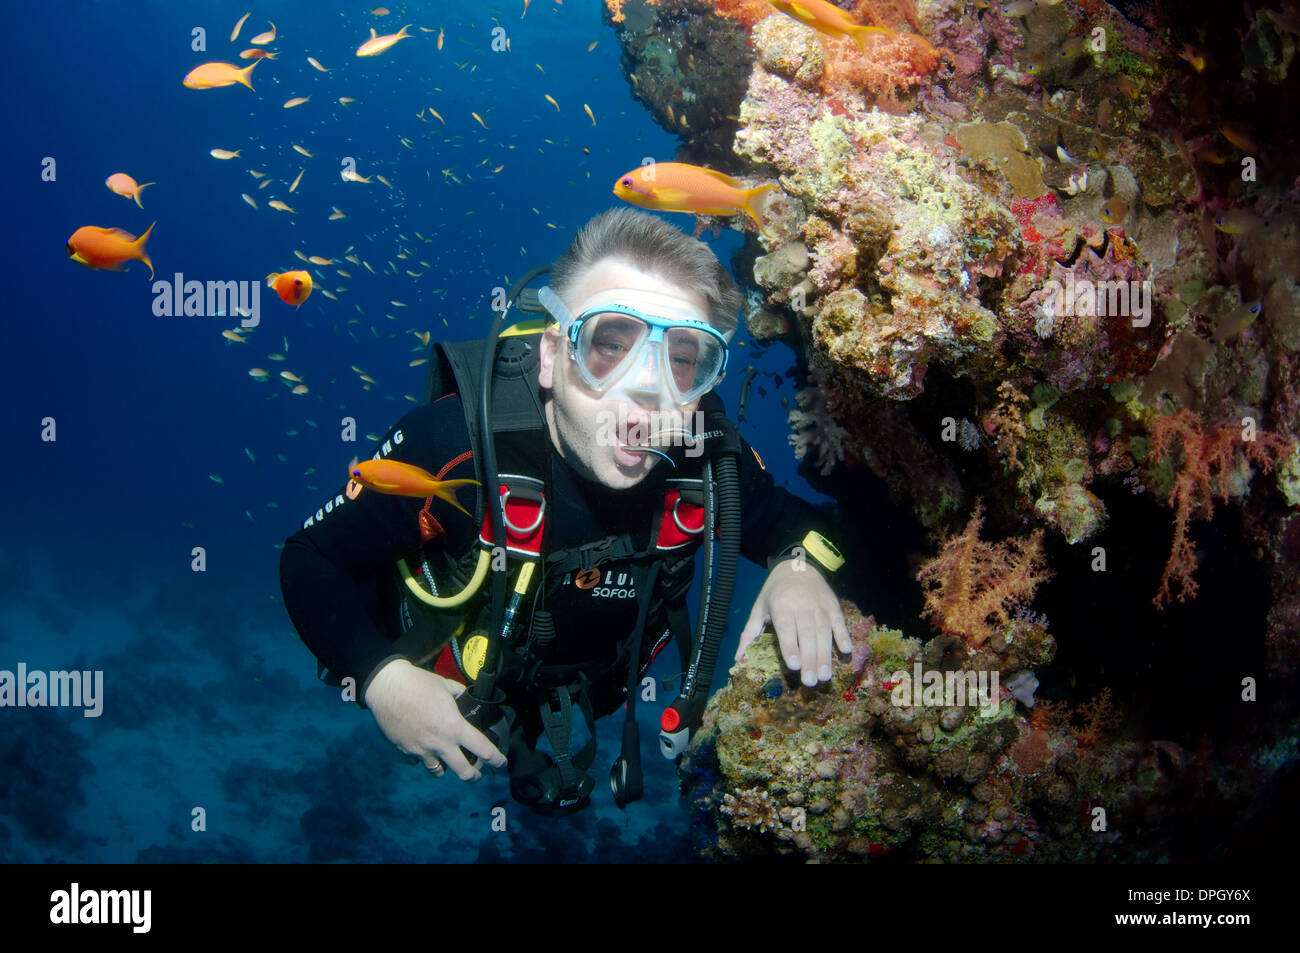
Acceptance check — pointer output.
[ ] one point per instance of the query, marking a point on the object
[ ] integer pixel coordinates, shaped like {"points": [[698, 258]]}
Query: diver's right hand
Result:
{"points": [[416, 710]]}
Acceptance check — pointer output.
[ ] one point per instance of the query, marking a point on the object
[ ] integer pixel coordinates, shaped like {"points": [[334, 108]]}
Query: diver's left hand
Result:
{"points": [[805, 613]]}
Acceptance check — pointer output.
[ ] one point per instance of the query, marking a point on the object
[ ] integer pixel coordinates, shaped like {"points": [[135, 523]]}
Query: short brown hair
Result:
{"points": [[652, 245]]}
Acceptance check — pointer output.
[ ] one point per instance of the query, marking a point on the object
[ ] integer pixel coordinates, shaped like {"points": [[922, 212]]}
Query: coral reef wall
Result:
{"points": [[1042, 253], [884, 766]]}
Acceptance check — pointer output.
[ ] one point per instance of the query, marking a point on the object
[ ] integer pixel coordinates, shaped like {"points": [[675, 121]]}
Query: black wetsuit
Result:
{"points": [[337, 574]]}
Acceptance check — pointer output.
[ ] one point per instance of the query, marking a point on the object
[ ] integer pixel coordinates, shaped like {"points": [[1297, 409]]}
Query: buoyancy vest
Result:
{"points": [[673, 534], [659, 563]]}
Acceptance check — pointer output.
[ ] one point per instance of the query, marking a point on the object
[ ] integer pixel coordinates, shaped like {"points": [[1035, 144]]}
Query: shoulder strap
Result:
{"points": [[514, 403], [456, 367]]}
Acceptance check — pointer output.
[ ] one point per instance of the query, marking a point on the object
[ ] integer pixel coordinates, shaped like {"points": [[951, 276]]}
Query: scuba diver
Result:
{"points": [[607, 463]]}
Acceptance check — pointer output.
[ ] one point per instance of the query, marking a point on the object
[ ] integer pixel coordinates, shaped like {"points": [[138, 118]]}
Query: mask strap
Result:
{"points": [[557, 308]]}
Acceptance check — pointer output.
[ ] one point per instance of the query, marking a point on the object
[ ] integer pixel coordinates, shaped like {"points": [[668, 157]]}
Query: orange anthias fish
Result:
{"points": [[125, 186], [214, 75], [678, 187], [403, 479], [829, 19], [108, 248], [264, 38], [377, 44], [1236, 133], [293, 287], [1193, 57]]}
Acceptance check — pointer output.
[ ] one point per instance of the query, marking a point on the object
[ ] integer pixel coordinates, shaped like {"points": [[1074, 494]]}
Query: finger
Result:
{"points": [[787, 636], [825, 649], [434, 767], [806, 628], [841, 629], [453, 686], [752, 630], [480, 746], [458, 764]]}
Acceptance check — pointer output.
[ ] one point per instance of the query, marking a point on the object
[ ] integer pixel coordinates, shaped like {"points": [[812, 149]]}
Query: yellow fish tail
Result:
{"points": [[861, 33], [138, 247], [139, 189], [446, 490], [245, 74], [754, 207]]}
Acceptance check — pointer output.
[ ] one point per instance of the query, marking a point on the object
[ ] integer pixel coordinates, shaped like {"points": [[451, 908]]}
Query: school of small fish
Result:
{"points": [[314, 92]]}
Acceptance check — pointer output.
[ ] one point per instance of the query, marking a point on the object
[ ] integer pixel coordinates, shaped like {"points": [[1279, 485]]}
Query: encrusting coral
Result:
{"points": [[858, 771]]}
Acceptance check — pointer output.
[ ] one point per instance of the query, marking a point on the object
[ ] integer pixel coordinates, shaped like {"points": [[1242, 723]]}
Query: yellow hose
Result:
{"points": [[447, 602]]}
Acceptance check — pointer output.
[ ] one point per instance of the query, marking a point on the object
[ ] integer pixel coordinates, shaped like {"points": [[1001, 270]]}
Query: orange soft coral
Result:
{"points": [[1208, 461], [1099, 717], [616, 8], [892, 63], [898, 62], [747, 12], [972, 587], [900, 14], [1005, 423]]}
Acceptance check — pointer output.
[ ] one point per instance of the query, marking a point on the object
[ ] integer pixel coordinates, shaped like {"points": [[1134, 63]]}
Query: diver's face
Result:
{"points": [[589, 428]]}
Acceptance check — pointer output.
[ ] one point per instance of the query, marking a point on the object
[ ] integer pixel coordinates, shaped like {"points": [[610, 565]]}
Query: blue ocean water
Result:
{"points": [[210, 699]]}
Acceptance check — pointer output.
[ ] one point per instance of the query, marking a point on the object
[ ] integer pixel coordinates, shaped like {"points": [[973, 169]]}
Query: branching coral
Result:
{"points": [[1209, 465], [882, 438], [1099, 718], [1088, 726], [815, 429], [1089, 723], [973, 588], [1006, 425]]}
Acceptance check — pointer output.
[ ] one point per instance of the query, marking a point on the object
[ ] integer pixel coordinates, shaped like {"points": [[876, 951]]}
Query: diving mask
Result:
{"points": [[648, 342]]}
